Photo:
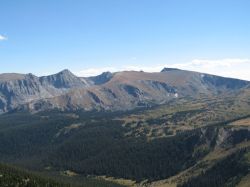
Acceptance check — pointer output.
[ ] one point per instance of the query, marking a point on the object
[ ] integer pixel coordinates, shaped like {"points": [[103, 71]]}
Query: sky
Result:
{"points": [[92, 36]]}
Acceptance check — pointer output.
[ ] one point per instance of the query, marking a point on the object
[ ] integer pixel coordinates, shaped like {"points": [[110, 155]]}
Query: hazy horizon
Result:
{"points": [[89, 37]]}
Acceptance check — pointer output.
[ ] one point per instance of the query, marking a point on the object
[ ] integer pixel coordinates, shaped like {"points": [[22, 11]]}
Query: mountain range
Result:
{"points": [[173, 128], [124, 90]]}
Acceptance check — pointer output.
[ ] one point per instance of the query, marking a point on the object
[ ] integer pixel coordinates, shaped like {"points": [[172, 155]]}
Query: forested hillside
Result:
{"points": [[135, 145], [12, 177]]}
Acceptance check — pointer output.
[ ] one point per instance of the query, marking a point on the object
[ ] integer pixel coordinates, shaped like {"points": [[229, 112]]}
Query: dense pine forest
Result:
{"points": [[99, 144], [11, 177]]}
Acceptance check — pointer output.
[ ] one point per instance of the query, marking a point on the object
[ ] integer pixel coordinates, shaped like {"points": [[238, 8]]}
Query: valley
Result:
{"points": [[124, 93]]}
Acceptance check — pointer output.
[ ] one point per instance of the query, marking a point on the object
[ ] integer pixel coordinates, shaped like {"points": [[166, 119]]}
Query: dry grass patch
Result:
{"points": [[243, 123], [125, 182]]}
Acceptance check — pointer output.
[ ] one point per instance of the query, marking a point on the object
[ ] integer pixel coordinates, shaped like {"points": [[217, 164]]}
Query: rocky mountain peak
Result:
{"points": [[63, 79], [102, 78], [66, 72]]}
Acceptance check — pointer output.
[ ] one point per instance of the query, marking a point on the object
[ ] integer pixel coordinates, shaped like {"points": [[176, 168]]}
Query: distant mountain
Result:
{"points": [[169, 69], [109, 91], [101, 79], [63, 79]]}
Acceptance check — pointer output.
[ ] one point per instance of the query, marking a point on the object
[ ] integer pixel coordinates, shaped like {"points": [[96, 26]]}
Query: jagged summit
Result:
{"points": [[66, 72], [63, 79]]}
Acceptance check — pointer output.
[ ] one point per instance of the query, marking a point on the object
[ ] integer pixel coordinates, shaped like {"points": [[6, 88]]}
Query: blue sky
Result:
{"points": [[90, 36]]}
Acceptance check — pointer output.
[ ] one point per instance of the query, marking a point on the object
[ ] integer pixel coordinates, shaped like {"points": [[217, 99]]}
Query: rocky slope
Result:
{"points": [[109, 91], [18, 89]]}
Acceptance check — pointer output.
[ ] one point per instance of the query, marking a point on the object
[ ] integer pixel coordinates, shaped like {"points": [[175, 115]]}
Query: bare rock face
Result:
{"points": [[63, 79], [227, 83], [18, 89], [223, 135], [109, 91]]}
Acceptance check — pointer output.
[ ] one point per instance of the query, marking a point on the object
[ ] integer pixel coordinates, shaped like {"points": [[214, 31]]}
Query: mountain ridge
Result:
{"points": [[123, 90]]}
